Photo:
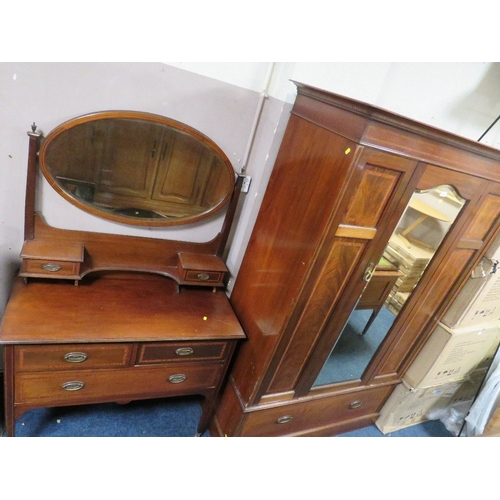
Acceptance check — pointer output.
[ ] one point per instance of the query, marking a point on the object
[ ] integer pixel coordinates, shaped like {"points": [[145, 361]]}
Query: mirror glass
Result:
{"points": [[420, 231], [137, 168]]}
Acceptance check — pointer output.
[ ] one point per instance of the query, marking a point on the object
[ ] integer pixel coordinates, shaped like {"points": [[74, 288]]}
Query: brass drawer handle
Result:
{"points": [[284, 419], [73, 386], [184, 351], [75, 357], [177, 379], [53, 268], [203, 276], [355, 404]]}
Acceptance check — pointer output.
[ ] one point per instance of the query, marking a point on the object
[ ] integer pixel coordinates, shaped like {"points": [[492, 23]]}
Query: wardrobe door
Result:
{"points": [[435, 241], [371, 206], [476, 227]]}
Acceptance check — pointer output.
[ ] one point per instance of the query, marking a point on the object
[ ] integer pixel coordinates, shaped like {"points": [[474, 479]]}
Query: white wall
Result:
{"points": [[221, 100]]}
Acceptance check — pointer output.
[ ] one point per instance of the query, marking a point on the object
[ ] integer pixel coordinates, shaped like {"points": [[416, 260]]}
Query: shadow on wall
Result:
{"points": [[482, 106]]}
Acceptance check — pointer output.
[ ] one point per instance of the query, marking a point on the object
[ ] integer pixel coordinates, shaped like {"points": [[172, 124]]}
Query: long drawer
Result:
{"points": [[70, 387], [31, 358], [300, 416]]}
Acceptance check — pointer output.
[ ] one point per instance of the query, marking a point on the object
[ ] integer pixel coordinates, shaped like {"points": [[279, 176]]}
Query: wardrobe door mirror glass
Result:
{"points": [[137, 168], [420, 231]]}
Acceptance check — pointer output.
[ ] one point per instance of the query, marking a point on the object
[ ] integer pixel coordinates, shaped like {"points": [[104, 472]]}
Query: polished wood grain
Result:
{"points": [[128, 331], [119, 337], [107, 310], [350, 169]]}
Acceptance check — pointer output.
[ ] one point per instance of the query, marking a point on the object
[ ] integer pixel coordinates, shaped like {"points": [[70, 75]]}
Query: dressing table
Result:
{"points": [[96, 317]]}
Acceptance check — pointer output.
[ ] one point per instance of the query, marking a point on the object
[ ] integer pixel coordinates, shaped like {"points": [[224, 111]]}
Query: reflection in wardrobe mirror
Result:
{"points": [[420, 231], [137, 168]]}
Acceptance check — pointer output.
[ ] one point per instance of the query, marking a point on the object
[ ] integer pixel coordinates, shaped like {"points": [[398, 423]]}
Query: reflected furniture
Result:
{"points": [[351, 170], [149, 317], [378, 289]]}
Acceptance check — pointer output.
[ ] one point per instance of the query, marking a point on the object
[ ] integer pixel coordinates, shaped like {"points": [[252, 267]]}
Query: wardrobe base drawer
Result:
{"points": [[72, 387], [302, 417]]}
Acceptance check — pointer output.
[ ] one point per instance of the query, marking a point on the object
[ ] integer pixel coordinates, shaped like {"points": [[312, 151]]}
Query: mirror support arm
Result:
{"points": [[29, 222], [231, 210]]}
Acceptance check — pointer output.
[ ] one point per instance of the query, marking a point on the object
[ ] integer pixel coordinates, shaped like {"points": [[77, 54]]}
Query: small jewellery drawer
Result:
{"points": [[52, 268], [71, 356], [72, 387], [203, 276], [180, 351], [51, 259], [292, 419], [195, 269]]}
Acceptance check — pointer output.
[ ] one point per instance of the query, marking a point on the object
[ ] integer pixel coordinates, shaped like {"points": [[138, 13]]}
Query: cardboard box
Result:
{"points": [[407, 406], [479, 300], [453, 354]]}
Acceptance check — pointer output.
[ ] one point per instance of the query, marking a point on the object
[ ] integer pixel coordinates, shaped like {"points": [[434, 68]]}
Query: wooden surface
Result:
{"points": [[108, 309], [351, 170], [119, 338]]}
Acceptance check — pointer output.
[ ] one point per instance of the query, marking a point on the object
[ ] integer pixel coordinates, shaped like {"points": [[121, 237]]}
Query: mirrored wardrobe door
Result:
{"points": [[368, 211], [390, 283]]}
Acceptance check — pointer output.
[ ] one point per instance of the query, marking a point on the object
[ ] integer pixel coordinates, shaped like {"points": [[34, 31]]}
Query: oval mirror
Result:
{"points": [[137, 168]]}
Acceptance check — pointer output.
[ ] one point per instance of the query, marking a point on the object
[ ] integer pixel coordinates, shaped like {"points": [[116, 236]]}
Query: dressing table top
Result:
{"points": [[118, 308]]}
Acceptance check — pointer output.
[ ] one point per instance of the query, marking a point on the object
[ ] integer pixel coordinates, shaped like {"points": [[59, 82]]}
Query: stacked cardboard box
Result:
{"points": [[408, 406], [452, 355], [448, 370], [453, 363]]}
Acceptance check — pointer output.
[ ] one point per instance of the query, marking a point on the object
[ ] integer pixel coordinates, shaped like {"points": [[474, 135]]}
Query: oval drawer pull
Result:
{"points": [[177, 378], [355, 404], [203, 276], [284, 419], [73, 386], [53, 268], [75, 357], [184, 351]]}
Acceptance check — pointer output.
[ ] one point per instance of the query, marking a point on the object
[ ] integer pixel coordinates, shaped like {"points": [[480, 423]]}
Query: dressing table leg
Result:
{"points": [[9, 390], [207, 411]]}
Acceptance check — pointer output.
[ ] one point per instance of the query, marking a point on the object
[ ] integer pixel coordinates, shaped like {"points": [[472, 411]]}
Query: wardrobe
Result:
{"points": [[355, 191]]}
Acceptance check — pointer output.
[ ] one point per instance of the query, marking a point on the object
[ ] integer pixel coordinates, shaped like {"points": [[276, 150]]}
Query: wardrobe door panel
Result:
{"points": [[476, 227], [367, 331], [355, 237]]}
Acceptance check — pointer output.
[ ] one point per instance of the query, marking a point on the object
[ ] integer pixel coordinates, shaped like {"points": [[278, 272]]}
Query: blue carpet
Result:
{"points": [[173, 417]]}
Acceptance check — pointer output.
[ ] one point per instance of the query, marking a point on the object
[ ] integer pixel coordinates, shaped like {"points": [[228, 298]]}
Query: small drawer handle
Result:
{"points": [[177, 378], [355, 404], [203, 276], [184, 351], [284, 419], [53, 268], [75, 357], [73, 386]]}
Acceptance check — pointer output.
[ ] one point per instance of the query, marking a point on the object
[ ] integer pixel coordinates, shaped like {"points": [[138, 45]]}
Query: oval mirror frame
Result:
{"points": [[204, 176]]}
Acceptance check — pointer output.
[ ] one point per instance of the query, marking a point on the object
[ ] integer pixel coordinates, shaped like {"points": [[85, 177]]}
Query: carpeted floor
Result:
{"points": [[174, 417]]}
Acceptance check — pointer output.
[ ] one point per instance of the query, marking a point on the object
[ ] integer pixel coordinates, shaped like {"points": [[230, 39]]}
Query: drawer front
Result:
{"points": [[203, 276], [299, 417], [180, 352], [71, 357], [53, 268], [70, 387]]}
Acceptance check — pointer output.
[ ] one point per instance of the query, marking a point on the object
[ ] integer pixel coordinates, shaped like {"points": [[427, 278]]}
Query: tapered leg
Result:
{"points": [[9, 390]]}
